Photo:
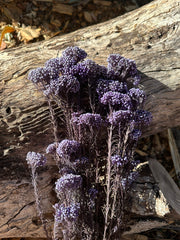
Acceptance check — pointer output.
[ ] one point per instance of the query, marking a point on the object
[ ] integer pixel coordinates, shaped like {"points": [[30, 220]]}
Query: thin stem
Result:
{"points": [[53, 120], [38, 203], [108, 182]]}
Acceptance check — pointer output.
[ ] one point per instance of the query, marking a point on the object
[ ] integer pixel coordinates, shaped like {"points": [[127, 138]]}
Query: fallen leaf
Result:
{"points": [[3, 46], [28, 33]]}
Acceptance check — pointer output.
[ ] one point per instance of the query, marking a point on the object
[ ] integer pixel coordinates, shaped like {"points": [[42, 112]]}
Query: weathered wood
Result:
{"points": [[149, 35]]}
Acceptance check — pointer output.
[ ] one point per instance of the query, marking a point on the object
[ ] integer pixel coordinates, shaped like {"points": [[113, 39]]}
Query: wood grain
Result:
{"points": [[150, 35]]}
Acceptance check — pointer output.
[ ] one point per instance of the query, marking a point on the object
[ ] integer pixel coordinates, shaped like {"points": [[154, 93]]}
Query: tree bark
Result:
{"points": [[150, 35]]}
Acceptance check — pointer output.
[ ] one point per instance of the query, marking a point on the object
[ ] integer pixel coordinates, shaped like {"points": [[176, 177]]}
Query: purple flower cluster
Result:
{"points": [[137, 97], [88, 70], [118, 160], [98, 102], [110, 85], [42, 75], [123, 68], [119, 117], [66, 213], [111, 98], [72, 55], [68, 182], [87, 119], [68, 84], [51, 148], [56, 64], [143, 118], [68, 148], [35, 159]]}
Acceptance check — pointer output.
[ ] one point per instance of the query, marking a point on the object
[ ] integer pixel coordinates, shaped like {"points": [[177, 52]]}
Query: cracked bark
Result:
{"points": [[149, 35]]}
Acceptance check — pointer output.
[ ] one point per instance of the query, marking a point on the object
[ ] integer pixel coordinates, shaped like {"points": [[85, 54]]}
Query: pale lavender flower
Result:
{"points": [[72, 55], [121, 116], [110, 85], [42, 75], [55, 63], [68, 182], [35, 159], [119, 161], [135, 134], [66, 213], [123, 68], [90, 119], [112, 98], [143, 118], [93, 193], [68, 84], [51, 148], [68, 148], [81, 163], [87, 70], [137, 96]]}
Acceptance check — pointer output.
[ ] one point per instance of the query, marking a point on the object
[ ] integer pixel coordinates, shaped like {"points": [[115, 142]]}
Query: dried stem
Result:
{"points": [[38, 203], [108, 182]]}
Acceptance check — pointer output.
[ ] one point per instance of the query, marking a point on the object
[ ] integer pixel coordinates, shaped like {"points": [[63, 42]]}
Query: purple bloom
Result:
{"points": [[66, 170], [118, 160], [90, 119], [110, 85], [143, 118], [137, 96], [68, 182], [35, 159], [112, 98], [68, 83], [72, 55], [51, 148], [68, 148], [135, 134], [66, 213], [86, 70], [123, 68], [121, 116], [42, 75], [116, 98], [55, 63]]}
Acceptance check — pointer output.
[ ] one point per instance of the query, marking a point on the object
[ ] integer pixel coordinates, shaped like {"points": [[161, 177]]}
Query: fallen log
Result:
{"points": [[149, 35]]}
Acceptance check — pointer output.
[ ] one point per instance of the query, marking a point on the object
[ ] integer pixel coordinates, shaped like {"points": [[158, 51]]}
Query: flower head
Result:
{"points": [[137, 96], [119, 117], [90, 119], [42, 75], [51, 148], [68, 182], [68, 148], [110, 85], [72, 55], [66, 213], [55, 63], [68, 84], [143, 118], [35, 159], [112, 98], [118, 160], [123, 68]]}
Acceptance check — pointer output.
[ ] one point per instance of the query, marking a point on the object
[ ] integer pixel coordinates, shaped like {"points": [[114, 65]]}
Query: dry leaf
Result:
{"points": [[3, 46], [28, 33]]}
